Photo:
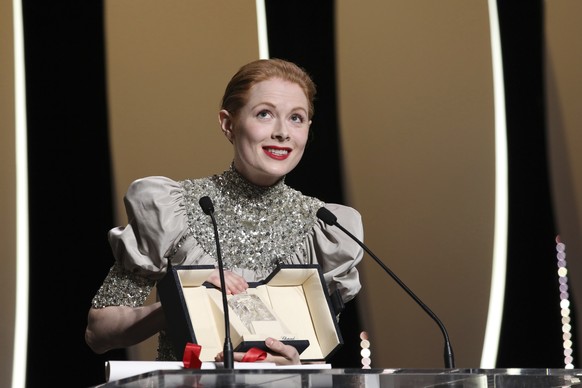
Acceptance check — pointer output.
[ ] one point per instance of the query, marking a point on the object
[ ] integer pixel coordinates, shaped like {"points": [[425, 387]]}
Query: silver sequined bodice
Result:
{"points": [[258, 227]]}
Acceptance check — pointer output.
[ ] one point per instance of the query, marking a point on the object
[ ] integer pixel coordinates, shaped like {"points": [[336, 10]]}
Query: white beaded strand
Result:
{"points": [[365, 352], [564, 303]]}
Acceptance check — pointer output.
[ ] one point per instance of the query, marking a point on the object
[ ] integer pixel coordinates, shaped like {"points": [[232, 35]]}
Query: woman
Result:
{"points": [[266, 113]]}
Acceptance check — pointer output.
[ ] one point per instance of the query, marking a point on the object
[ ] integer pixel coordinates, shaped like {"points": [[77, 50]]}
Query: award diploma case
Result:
{"points": [[292, 304]]}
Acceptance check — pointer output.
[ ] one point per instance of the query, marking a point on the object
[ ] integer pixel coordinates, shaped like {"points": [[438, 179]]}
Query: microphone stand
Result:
{"points": [[329, 218], [208, 208]]}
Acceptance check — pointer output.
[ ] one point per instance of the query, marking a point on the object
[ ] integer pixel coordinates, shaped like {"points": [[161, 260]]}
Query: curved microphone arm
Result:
{"points": [[329, 218]]}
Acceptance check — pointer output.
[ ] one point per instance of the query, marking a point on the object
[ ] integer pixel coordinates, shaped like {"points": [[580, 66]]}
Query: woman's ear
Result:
{"points": [[226, 124]]}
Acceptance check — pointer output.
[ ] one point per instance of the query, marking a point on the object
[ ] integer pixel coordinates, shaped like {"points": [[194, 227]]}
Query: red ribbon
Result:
{"points": [[254, 354], [192, 356]]}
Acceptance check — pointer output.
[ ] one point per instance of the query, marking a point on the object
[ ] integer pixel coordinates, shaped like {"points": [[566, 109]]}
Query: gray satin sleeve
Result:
{"points": [[337, 254], [156, 222]]}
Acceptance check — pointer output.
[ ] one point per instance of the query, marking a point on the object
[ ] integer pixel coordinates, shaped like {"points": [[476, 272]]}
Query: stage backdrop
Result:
{"points": [[416, 125], [416, 128], [416, 122]]}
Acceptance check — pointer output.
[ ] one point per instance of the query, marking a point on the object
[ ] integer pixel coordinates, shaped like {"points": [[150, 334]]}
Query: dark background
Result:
{"points": [[70, 168]]}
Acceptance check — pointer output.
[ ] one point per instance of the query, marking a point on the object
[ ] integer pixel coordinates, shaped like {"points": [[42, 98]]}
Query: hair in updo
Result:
{"points": [[236, 92]]}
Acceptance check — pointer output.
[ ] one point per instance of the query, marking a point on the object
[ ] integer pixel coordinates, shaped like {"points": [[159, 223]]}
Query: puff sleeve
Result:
{"points": [[156, 222], [337, 254]]}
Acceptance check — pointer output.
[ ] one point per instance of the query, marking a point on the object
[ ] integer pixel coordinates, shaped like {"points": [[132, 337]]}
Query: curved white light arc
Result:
{"points": [[22, 234], [496, 298], [262, 29]]}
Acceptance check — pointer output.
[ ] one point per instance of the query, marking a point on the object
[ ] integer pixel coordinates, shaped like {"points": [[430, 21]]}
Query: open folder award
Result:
{"points": [[292, 304]]}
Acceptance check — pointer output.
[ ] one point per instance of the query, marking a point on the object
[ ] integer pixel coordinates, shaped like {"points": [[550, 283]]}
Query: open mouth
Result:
{"points": [[277, 153]]}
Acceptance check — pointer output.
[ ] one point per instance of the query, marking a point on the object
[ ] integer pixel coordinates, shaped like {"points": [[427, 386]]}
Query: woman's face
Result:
{"points": [[270, 132]]}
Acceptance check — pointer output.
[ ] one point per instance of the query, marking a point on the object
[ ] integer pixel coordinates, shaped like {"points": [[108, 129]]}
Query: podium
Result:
{"points": [[346, 378]]}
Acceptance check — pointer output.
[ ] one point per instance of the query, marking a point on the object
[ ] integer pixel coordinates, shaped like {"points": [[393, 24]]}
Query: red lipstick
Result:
{"points": [[278, 153]]}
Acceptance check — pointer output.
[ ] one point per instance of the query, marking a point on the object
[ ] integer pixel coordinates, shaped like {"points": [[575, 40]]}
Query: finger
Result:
{"points": [[238, 356], [276, 345], [219, 357], [280, 360], [236, 289], [236, 283], [287, 351]]}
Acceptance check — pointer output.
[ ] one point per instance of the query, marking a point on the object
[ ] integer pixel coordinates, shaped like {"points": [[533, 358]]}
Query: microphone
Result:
{"points": [[330, 219], [208, 208]]}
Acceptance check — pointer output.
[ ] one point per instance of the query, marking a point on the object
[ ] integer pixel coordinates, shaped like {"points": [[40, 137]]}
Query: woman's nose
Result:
{"points": [[280, 132]]}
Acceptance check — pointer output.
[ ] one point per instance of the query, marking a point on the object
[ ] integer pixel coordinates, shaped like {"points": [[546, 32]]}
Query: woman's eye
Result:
{"points": [[263, 114], [297, 118]]}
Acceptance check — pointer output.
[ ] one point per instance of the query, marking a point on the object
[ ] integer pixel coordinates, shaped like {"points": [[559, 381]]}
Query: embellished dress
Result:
{"points": [[259, 228]]}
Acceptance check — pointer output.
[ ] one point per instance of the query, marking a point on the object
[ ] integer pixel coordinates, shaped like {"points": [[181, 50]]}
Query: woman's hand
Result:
{"points": [[278, 353], [235, 284]]}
